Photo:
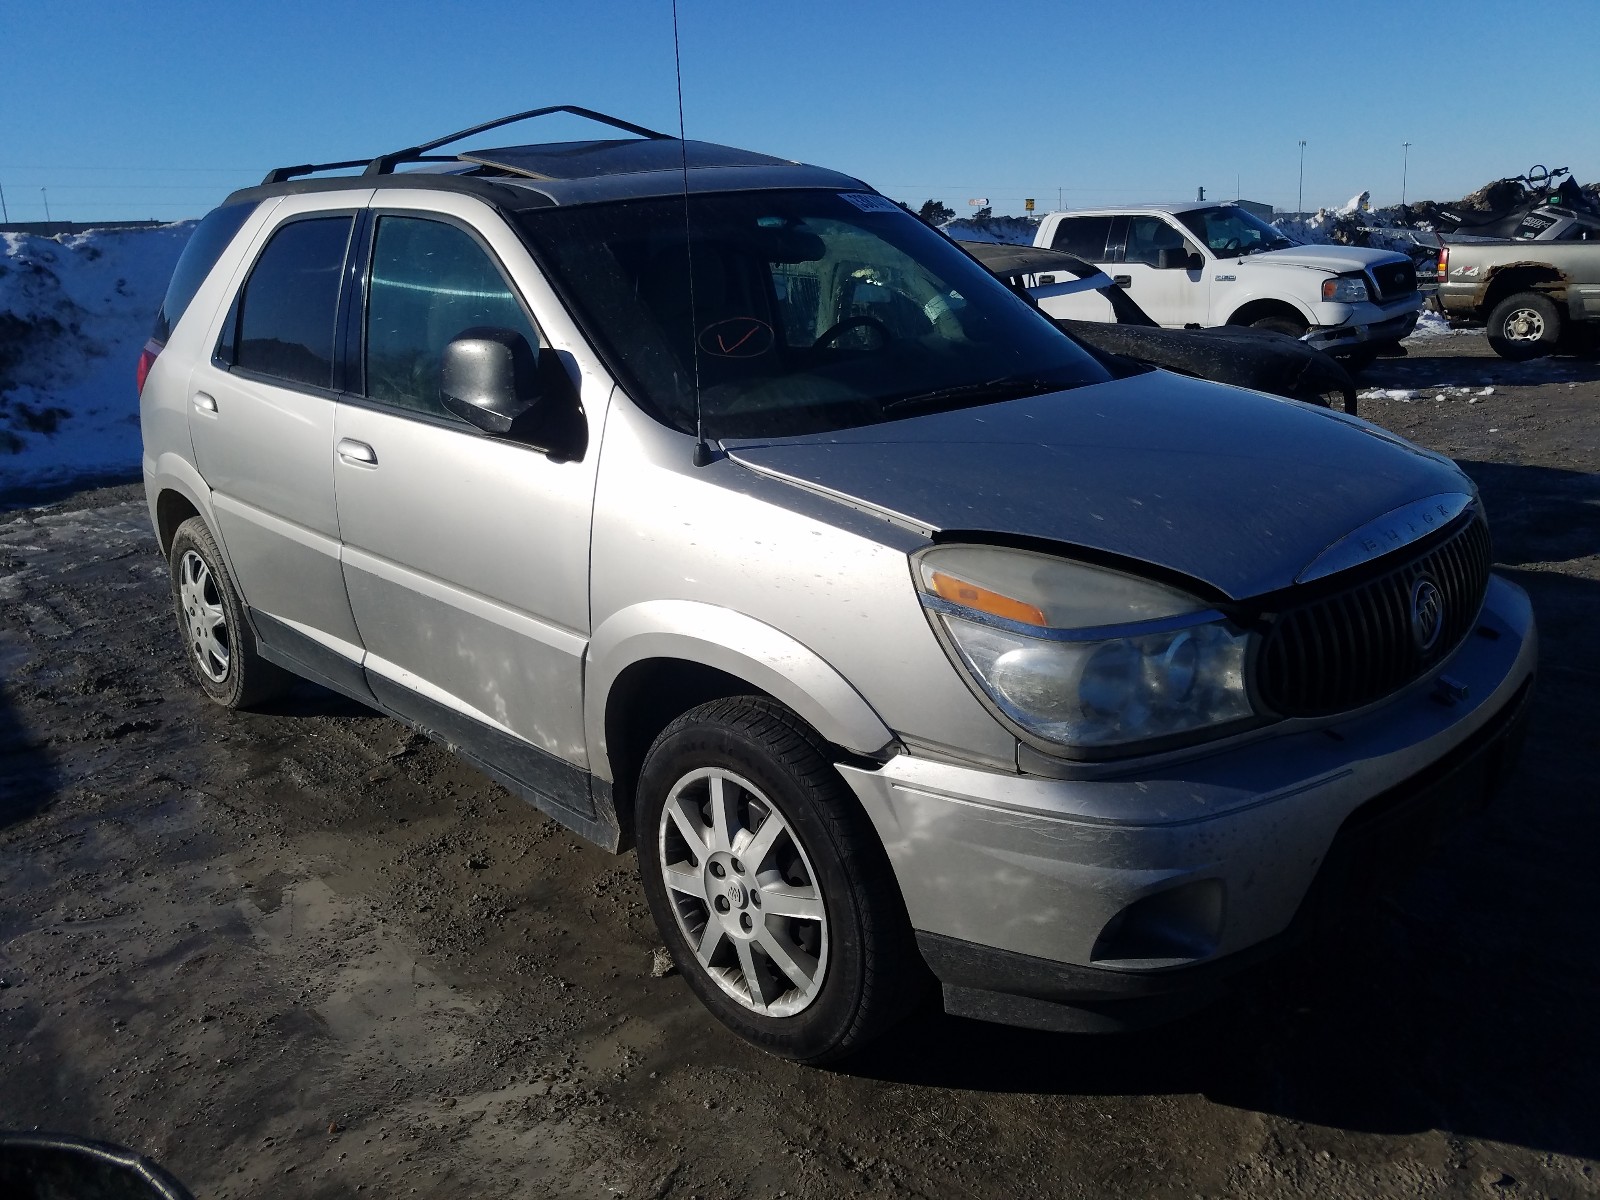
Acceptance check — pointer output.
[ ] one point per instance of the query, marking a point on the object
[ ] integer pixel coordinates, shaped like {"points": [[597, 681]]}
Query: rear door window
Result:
{"points": [[1083, 237], [288, 308], [430, 282]]}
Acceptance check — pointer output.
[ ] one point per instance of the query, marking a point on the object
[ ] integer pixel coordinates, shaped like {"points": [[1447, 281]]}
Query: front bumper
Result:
{"points": [[1099, 902], [1367, 323]]}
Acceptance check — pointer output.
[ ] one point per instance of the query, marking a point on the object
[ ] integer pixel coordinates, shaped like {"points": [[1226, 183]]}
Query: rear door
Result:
{"points": [[466, 556], [1084, 237], [262, 421]]}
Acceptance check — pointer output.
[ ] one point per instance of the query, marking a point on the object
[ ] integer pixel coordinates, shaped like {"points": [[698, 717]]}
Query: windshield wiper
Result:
{"points": [[1006, 387]]}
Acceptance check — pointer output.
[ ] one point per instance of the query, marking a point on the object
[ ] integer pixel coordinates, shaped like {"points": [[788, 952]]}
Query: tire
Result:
{"points": [[217, 639], [1526, 325], [1287, 325], [849, 971]]}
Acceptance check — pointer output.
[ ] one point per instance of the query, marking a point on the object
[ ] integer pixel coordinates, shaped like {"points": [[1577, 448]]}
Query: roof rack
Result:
{"points": [[385, 164]]}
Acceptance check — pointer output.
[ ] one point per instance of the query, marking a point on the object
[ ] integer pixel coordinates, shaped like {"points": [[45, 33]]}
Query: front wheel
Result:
{"points": [[769, 885], [1525, 326]]}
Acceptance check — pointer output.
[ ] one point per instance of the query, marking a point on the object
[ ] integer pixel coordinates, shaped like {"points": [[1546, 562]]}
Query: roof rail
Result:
{"points": [[385, 164]]}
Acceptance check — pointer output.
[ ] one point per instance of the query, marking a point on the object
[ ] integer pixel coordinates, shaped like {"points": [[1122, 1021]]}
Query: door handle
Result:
{"points": [[205, 403], [1122, 281], [357, 453]]}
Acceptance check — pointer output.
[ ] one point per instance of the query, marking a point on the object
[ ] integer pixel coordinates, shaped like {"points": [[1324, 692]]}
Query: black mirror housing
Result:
{"points": [[1174, 258], [489, 378]]}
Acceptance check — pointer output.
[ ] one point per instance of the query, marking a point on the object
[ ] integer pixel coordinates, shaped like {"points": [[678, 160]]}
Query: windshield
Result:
{"points": [[1232, 232], [811, 311]]}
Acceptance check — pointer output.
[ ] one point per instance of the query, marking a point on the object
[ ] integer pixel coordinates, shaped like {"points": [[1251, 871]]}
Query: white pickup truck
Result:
{"points": [[1194, 266]]}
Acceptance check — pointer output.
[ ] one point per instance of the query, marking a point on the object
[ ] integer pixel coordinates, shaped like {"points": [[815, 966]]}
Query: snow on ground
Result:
{"points": [[74, 313]]}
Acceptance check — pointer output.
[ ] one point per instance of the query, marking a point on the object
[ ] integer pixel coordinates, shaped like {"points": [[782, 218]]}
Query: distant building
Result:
{"points": [[1255, 207]]}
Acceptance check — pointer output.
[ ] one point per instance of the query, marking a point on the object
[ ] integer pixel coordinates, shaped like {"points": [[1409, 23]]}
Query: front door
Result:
{"points": [[466, 556], [1174, 296]]}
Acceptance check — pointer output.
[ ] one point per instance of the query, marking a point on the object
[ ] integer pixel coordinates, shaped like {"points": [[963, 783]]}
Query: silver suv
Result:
{"points": [[716, 505]]}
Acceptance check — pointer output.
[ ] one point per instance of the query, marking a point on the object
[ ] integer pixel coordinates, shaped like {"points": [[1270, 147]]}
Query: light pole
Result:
{"points": [[46, 196], [1300, 203], [1405, 164]]}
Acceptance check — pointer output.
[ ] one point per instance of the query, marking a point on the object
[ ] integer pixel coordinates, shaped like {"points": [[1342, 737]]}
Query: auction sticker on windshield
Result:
{"points": [[867, 202]]}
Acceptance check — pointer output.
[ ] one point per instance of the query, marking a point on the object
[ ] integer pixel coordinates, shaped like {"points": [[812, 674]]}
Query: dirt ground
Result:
{"points": [[302, 953]]}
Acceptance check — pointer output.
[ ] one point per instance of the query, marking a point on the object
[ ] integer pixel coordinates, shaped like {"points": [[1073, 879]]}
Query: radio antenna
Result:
{"points": [[702, 452]]}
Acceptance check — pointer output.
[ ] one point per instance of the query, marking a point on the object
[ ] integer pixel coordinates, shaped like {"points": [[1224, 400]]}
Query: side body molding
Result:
{"points": [[732, 642]]}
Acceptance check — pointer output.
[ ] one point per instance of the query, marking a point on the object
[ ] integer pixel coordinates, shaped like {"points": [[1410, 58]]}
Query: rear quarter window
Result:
{"points": [[206, 244]]}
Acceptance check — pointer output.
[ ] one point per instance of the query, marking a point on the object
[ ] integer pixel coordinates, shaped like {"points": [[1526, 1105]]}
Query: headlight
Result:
{"points": [[1345, 289], [1082, 657]]}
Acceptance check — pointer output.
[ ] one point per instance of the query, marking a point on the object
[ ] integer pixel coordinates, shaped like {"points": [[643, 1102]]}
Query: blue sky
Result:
{"points": [[157, 110]]}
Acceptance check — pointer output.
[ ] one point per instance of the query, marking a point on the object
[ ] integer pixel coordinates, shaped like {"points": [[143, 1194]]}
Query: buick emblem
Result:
{"points": [[1427, 613]]}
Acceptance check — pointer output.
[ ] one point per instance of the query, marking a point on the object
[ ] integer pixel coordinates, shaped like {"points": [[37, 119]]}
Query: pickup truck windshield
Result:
{"points": [[1233, 232], [809, 311]]}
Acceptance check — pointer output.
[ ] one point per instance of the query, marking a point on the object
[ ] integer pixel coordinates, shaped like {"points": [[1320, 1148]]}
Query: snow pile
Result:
{"points": [[1445, 392], [1356, 223], [74, 313], [1433, 325], [1010, 231]]}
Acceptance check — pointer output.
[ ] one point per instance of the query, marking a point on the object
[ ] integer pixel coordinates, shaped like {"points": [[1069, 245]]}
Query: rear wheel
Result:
{"points": [[768, 884], [220, 646], [1526, 325]]}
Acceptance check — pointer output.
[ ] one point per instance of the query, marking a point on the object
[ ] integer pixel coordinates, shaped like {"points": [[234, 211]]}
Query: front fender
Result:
{"points": [[736, 644]]}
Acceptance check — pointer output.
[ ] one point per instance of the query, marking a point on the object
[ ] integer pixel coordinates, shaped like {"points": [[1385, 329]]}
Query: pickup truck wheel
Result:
{"points": [[1525, 326], [219, 644], [1286, 325], [768, 884]]}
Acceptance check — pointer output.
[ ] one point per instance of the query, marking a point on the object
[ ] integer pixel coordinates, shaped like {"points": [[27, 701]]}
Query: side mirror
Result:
{"points": [[1176, 258], [489, 378]]}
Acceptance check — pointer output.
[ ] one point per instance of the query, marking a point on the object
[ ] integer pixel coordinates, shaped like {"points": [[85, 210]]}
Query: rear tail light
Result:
{"points": [[147, 359], [1444, 261]]}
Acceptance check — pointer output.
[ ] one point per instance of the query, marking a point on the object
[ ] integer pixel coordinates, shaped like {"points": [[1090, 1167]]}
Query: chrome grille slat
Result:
{"points": [[1355, 646]]}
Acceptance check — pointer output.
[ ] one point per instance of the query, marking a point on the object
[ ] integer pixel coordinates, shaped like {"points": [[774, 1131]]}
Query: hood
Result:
{"points": [[1337, 259], [1235, 489]]}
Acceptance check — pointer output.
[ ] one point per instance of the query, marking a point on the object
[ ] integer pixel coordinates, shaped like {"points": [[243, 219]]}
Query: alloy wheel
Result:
{"points": [[743, 892], [205, 620]]}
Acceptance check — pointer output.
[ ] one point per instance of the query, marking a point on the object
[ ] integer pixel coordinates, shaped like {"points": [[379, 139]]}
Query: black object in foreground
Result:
{"points": [[1243, 357], [55, 1166]]}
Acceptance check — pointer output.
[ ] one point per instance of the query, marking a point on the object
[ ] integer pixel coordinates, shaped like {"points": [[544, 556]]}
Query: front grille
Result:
{"points": [[1356, 646], [1394, 280]]}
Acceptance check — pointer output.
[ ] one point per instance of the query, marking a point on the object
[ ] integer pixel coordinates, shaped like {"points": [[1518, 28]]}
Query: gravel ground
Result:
{"points": [[303, 953]]}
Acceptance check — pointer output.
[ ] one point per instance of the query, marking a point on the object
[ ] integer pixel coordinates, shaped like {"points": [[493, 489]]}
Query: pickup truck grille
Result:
{"points": [[1394, 280], [1357, 646]]}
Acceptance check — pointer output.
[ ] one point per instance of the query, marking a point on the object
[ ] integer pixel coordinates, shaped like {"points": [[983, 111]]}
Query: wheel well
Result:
{"points": [[1257, 309], [643, 701], [172, 509], [1510, 280]]}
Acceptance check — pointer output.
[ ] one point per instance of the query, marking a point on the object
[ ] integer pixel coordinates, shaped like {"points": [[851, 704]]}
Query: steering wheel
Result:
{"points": [[1538, 175], [835, 331], [1232, 243]]}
